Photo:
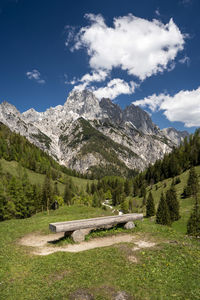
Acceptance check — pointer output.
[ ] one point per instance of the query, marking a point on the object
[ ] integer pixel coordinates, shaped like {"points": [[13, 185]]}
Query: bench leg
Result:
{"points": [[68, 233], [129, 225], [78, 236]]}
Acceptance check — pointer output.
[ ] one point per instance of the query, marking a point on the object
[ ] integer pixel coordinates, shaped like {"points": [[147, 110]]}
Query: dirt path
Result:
{"points": [[39, 243]]}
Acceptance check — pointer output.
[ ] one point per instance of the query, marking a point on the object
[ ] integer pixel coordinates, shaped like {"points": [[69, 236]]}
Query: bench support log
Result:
{"points": [[129, 225], [78, 236]]}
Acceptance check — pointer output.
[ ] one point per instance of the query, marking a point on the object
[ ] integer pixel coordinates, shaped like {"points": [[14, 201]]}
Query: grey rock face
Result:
{"points": [[111, 111], [83, 104], [140, 119], [128, 134], [174, 135]]}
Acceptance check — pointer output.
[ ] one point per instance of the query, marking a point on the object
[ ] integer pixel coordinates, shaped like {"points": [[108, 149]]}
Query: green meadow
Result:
{"points": [[169, 270]]}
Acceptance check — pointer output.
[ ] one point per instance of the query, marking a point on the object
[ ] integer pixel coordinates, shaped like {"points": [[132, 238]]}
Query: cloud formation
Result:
{"points": [[114, 88], [185, 60], [183, 106], [35, 75], [86, 80], [157, 12], [139, 46]]}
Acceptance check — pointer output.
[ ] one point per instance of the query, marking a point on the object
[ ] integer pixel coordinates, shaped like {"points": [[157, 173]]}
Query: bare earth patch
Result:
{"points": [[40, 243], [143, 244]]}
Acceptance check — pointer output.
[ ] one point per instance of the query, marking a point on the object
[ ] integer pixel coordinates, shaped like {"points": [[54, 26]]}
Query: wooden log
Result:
{"points": [[94, 223]]}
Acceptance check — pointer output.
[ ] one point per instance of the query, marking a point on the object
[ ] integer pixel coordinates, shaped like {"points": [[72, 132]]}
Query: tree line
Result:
{"points": [[15, 147], [168, 207]]}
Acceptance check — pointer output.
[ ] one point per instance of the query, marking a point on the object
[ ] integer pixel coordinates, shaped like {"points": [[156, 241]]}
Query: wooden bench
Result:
{"points": [[78, 229]]}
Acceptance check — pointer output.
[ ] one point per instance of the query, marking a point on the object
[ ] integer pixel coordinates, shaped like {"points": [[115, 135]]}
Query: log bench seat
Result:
{"points": [[78, 229]]}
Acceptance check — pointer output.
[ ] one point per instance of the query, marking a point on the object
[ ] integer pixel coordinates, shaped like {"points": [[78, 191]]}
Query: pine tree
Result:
{"points": [[68, 194], [108, 195], [3, 202], [47, 193], [17, 196], [192, 187], [144, 201], [55, 190], [96, 201], [143, 191], [93, 188], [173, 204], [162, 215], [193, 225], [127, 187], [125, 206], [88, 188], [150, 207]]}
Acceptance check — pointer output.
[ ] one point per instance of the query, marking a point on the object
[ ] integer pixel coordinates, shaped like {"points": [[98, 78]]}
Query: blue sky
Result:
{"points": [[127, 50]]}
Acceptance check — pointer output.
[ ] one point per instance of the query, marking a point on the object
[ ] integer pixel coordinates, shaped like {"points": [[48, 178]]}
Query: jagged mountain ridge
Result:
{"points": [[87, 134]]}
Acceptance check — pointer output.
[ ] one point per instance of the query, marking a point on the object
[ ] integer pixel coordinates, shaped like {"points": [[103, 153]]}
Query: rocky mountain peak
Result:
{"points": [[111, 110], [78, 135], [175, 135], [31, 115], [83, 103], [140, 119], [7, 107]]}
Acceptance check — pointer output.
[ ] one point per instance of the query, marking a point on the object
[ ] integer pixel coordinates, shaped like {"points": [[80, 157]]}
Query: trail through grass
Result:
{"points": [[168, 271]]}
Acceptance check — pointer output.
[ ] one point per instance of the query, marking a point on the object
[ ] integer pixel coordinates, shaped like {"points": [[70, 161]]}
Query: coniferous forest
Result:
{"points": [[19, 198]]}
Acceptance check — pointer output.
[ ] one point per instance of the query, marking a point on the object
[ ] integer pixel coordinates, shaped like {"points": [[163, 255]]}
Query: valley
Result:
{"points": [[92, 136]]}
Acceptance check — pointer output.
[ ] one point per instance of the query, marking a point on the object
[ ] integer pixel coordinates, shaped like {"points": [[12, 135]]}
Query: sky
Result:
{"points": [[145, 52]]}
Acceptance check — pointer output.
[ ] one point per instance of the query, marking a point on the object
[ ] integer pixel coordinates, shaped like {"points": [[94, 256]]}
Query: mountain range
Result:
{"points": [[95, 136]]}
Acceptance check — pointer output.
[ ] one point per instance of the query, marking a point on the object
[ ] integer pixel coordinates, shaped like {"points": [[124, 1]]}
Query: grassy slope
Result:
{"points": [[36, 178], [171, 270], [185, 204]]}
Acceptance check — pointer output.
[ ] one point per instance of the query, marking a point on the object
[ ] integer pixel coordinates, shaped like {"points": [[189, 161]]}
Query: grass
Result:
{"points": [[186, 205], [36, 178], [169, 271]]}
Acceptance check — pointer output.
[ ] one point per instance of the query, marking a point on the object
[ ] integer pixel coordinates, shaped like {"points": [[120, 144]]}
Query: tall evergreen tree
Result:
{"points": [[173, 204], [193, 225], [128, 187], [125, 206], [3, 202], [162, 215], [88, 188], [192, 187], [144, 201], [68, 194], [47, 193], [55, 190], [93, 188], [150, 207], [143, 191], [96, 200]]}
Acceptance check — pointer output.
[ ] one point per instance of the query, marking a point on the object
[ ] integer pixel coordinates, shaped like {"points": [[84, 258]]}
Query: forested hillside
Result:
{"points": [[31, 181], [15, 147]]}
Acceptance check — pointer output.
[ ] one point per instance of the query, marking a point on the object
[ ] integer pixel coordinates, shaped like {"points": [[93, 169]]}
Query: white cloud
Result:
{"points": [[96, 76], [157, 12], [114, 88], [70, 34], [139, 46], [153, 102], [183, 106], [86, 80], [35, 75], [185, 60]]}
